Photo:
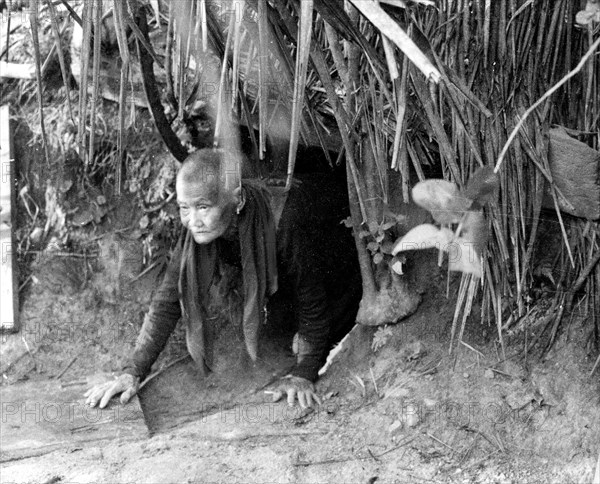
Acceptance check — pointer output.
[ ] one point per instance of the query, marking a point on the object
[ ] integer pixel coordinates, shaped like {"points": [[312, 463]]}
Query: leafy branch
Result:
{"points": [[453, 207]]}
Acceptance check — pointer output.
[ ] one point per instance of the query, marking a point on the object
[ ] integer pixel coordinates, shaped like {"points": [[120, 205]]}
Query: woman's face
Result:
{"points": [[206, 214]]}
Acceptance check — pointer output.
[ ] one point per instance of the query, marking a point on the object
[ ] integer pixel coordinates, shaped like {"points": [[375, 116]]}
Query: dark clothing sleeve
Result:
{"points": [[313, 325], [300, 251], [159, 323]]}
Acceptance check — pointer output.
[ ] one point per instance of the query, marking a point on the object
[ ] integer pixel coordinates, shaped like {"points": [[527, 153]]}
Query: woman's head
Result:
{"points": [[209, 193]]}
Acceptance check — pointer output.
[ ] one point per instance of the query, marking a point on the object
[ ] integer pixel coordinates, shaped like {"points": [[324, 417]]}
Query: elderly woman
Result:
{"points": [[230, 258]]}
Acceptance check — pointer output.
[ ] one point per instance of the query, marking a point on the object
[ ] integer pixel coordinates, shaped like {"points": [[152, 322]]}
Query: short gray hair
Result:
{"points": [[212, 166]]}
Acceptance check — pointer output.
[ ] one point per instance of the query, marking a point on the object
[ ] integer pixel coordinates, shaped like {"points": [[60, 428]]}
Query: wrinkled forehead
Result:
{"points": [[198, 190], [208, 174], [202, 185]]}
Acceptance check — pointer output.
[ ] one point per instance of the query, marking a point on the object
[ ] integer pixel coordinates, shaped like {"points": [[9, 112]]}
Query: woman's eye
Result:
{"points": [[184, 210]]}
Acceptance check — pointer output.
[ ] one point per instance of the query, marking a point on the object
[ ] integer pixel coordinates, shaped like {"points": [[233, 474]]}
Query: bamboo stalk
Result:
{"points": [[8, 32], [262, 79], [33, 20], [124, 78], [222, 118], [61, 57], [95, 78], [87, 17], [302, 54], [392, 30]]}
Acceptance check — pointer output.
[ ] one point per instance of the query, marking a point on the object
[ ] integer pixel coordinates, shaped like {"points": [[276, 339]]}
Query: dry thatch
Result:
{"points": [[451, 96]]}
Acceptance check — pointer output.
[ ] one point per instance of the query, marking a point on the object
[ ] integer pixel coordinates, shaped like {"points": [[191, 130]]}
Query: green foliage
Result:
{"points": [[381, 337], [449, 205]]}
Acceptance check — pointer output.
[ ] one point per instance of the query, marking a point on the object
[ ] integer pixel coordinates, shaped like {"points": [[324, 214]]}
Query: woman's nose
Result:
{"points": [[195, 219]]}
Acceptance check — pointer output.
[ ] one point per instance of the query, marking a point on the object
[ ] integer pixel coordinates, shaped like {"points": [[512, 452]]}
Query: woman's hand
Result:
{"points": [[296, 387], [125, 384]]}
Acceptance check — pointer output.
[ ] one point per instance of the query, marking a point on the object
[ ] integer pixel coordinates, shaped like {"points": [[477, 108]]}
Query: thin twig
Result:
{"points": [[374, 382], [22, 286], [472, 349], [479, 432], [160, 205], [546, 95], [595, 365], [299, 463], [441, 442], [502, 372], [162, 370], [145, 271], [67, 367]]}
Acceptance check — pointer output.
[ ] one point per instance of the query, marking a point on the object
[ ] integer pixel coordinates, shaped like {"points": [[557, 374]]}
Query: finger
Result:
{"points": [[93, 401], [291, 396], [315, 397], [302, 399], [112, 391], [277, 394], [90, 400], [127, 394], [96, 395], [95, 389]]}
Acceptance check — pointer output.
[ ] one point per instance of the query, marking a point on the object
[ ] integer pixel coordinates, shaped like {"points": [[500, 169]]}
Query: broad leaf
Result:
{"points": [[396, 265], [443, 199], [475, 230], [387, 247], [590, 14], [373, 246], [347, 222], [463, 257], [423, 236], [483, 186]]}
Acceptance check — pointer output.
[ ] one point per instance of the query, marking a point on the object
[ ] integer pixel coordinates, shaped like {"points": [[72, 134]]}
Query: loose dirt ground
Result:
{"points": [[408, 412]]}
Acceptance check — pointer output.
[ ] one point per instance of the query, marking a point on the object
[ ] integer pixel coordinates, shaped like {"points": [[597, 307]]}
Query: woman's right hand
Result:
{"points": [[125, 384]]}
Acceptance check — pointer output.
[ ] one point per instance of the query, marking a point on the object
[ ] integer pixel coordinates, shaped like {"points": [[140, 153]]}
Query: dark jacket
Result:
{"points": [[316, 263]]}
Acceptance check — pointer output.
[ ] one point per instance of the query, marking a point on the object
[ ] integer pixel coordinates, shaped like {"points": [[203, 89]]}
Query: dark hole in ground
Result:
{"points": [[180, 393]]}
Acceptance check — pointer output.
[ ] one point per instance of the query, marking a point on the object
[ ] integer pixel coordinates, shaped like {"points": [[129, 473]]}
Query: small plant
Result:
{"points": [[380, 244], [381, 337], [462, 230]]}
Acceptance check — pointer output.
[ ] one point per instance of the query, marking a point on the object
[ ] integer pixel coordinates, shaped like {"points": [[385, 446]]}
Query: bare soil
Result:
{"points": [[408, 412]]}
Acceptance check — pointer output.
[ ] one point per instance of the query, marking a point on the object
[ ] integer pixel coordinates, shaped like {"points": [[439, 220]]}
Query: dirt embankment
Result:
{"points": [[407, 412]]}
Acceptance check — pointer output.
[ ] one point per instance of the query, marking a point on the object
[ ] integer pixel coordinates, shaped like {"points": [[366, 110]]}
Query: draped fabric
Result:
{"points": [[256, 231]]}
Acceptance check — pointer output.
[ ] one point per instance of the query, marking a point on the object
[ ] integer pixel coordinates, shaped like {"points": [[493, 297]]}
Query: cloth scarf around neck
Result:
{"points": [[256, 231]]}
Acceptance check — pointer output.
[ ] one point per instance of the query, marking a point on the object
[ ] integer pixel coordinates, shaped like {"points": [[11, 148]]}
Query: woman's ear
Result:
{"points": [[239, 198]]}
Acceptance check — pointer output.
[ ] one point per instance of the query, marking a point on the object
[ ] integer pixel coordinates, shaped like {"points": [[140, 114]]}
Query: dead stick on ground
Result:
{"points": [[162, 370], [568, 300], [595, 365], [67, 367], [502, 372], [374, 382], [243, 435], [483, 459], [479, 432], [374, 457], [24, 283], [441, 442], [145, 271], [350, 459], [29, 351]]}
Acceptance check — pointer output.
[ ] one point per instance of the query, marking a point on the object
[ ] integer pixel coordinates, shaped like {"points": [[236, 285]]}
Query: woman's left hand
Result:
{"points": [[296, 387]]}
